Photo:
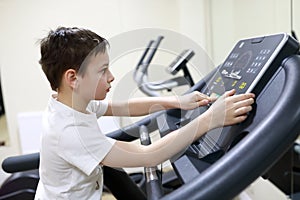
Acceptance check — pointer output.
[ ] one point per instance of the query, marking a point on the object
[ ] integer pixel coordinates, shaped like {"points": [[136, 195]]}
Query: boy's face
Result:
{"points": [[95, 83]]}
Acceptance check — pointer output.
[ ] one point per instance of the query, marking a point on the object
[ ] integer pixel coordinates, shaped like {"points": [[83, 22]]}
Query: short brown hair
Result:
{"points": [[67, 48]]}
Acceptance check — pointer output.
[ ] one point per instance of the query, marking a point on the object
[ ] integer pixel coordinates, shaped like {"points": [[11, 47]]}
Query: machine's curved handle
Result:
{"points": [[152, 52], [141, 71], [21, 163], [255, 153], [147, 57]]}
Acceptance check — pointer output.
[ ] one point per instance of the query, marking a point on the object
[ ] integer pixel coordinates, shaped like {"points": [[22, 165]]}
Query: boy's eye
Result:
{"points": [[103, 70]]}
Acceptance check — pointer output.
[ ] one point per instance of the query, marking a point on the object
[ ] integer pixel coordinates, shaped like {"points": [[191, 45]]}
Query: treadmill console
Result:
{"points": [[250, 61], [248, 68]]}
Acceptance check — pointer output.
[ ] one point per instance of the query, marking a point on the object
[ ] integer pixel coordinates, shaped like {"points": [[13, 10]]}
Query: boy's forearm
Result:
{"points": [[178, 140], [133, 155], [146, 105], [142, 106]]}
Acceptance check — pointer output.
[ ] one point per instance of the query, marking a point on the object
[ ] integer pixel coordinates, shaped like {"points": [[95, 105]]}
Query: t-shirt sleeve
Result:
{"points": [[98, 107], [84, 147]]}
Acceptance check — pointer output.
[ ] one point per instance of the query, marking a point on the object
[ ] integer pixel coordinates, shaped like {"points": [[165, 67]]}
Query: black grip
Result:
{"points": [[150, 52], [21, 163]]}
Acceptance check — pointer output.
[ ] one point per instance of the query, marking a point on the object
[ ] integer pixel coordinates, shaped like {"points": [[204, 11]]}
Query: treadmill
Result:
{"points": [[222, 163], [226, 160]]}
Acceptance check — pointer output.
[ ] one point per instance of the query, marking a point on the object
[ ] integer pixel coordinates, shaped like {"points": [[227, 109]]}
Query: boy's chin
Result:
{"points": [[99, 98]]}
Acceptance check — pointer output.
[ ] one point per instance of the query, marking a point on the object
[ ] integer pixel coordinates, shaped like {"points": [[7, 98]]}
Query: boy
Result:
{"points": [[73, 148]]}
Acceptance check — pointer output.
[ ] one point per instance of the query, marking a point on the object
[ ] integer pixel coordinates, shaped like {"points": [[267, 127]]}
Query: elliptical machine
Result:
{"points": [[140, 74]]}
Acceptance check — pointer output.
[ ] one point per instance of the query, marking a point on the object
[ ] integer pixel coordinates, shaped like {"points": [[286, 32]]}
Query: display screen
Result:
{"points": [[246, 64]]}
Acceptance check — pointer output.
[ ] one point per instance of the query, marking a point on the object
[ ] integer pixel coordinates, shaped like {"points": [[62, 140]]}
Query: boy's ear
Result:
{"points": [[70, 77]]}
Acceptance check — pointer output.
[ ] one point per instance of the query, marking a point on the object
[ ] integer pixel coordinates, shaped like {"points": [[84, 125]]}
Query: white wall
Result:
{"points": [[233, 20], [213, 24], [296, 17], [23, 23]]}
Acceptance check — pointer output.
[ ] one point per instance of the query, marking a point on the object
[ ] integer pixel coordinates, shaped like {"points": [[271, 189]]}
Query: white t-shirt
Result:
{"points": [[72, 147]]}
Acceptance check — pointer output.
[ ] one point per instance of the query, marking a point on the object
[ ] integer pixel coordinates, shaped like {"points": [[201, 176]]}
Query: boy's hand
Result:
{"points": [[230, 109], [194, 100]]}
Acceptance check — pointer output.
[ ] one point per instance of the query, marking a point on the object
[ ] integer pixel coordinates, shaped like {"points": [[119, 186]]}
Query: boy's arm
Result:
{"points": [[228, 110], [147, 105]]}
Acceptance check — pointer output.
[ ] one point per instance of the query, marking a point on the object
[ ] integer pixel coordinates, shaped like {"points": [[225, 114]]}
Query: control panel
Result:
{"points": [[249, 61]]}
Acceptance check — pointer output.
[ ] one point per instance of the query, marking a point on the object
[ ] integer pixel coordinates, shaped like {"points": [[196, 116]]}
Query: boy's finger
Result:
{"points": [[201, 96], [241, 97], [230, 93], [244, 102], [243, 110], [203, 102]]}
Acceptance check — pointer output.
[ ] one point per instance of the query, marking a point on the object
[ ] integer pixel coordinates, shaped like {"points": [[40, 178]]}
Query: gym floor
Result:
{"points": [[107, 196]]}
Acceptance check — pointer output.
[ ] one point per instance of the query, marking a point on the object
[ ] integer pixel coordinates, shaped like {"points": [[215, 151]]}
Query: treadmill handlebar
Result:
{"points": [[21, 163], [149, 53]]}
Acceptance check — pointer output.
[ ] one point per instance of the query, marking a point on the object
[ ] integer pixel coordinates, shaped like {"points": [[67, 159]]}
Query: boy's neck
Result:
{"points": [[72, 101]]}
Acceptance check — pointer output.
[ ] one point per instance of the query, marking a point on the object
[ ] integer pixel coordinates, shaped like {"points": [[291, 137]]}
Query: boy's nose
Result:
{"points": [[111, 78]]}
